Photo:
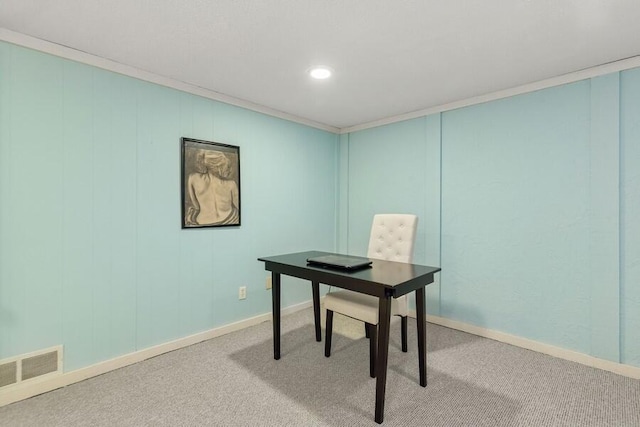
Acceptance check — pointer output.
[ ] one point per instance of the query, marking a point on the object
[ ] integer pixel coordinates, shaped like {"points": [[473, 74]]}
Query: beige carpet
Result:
{"points": [[233, 380]]}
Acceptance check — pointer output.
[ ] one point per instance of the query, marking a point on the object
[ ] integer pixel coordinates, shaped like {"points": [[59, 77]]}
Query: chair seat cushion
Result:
{"points": [[353, 304], [362, 307]]}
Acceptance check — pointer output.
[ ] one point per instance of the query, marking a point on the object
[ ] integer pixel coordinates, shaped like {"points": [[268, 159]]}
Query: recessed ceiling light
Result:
{"points": [[320, 72]]}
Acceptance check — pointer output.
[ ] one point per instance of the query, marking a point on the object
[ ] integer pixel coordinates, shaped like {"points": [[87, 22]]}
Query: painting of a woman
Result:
{"points": [[211, 187]]}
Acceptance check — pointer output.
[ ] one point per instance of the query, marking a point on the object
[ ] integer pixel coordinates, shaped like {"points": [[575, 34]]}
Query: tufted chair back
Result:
{"points": [[392, 237]]}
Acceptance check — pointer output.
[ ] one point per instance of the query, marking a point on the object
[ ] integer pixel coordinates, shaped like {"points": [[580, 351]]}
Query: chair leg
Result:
{"points": [[403, 324], [373, 348], [366, 330], [328, 331]]}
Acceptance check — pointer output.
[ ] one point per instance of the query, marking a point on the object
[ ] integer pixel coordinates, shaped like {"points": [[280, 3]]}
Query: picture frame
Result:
{"points": [[210, 178]]}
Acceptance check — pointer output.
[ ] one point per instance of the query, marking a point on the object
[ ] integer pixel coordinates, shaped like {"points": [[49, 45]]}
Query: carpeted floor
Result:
{"points": [[234, 381]]}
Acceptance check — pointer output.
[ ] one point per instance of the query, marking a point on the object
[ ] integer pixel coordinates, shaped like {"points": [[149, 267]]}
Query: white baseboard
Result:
{"points": [[47, 383], [36, 386], [561, 353]]}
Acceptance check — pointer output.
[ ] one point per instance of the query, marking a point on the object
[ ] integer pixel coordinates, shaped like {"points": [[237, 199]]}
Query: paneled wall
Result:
{"points": [[629, 216], [92, 255], [390, 169], [529, 204]]}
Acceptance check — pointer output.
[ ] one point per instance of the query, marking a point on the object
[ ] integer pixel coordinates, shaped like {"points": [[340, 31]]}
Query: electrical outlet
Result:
{"points": [[268, 282], [242, 292]]}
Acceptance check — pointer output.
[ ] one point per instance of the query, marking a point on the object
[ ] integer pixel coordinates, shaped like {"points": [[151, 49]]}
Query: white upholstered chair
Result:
{"points": [[392, 238]]}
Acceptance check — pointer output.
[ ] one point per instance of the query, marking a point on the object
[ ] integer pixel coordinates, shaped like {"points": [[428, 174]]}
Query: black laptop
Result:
{"points": [[342, 262]]}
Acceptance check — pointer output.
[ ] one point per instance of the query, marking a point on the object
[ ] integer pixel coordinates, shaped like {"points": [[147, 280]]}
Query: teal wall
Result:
{"points": [[529, 204], [92, 255], [629, 216], [394, 168]]}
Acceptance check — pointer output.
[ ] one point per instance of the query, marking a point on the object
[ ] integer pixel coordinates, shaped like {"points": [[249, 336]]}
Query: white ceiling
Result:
{"points": [[390, 57]]}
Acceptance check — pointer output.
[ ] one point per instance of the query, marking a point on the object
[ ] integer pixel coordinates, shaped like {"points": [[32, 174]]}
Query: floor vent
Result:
{"points": [[29, 366]]}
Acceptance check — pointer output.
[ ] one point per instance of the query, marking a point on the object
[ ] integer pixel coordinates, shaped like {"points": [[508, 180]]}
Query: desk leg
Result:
{"points": [[316, 309], [275, 302], [384, 320], [422, 336]]}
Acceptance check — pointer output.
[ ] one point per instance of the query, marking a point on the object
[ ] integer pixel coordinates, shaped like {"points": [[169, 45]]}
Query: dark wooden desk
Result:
{"points": [[385, 280]]}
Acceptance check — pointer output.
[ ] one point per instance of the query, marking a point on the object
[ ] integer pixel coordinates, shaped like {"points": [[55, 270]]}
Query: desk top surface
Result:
{"points": [[389, 274]]}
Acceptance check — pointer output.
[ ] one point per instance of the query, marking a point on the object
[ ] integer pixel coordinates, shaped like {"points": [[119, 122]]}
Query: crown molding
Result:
{"points": [[65, 52], [587, 73], [116, 67]]}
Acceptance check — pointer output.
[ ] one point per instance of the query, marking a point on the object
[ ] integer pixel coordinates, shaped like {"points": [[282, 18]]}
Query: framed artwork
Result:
{"points": [[210, 184]]}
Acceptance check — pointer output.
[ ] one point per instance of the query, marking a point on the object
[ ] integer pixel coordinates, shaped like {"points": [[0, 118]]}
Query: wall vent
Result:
{"points": [[8, 373], [39, 365], [29, 366]]}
